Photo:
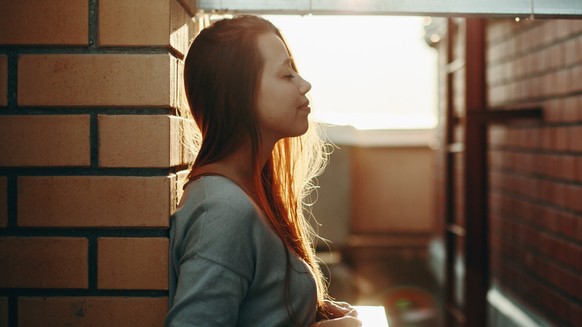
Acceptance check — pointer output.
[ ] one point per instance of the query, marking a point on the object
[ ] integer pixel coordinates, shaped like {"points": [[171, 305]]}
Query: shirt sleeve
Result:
{"points": [[213, 261], [208, 294]]}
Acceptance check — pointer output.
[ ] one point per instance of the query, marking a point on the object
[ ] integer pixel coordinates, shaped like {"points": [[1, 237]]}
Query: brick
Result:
{"points": [[541, 163], [567, 167], [552, 110], [495, 74], [145, 23], [495, 95], [565, 223], [4, 312], [511, 48], [549, 31], [575, 136], [180, 25], [3, 202], [95, 80], [559, 249], [574, 78], [575, 314], [139, 141], [574, 196], [553, 301], [58, 22], [570, 110], [95, 201], [132, 263], [3, 81], [550, 84], [561, 81], [532, 138], [43, 262], [495, 30], [553, 167], [535, 65], [556, 54], [49, 140], [575, 26], [562, 28], [561, 142], [573, 257], [578, 284], [536, 85], [575, 231], [131, 23], [91, 311], [570, 51], [544, 60]]}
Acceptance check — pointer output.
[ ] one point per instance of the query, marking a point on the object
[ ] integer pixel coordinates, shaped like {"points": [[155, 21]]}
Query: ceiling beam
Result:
{"points": [[488, 8]]}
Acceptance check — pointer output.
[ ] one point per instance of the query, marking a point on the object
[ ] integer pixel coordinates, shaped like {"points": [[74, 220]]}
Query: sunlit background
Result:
{"points": [[368, 72]]}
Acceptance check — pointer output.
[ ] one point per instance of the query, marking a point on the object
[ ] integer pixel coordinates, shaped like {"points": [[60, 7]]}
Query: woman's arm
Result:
{"points": [[207, 294]]}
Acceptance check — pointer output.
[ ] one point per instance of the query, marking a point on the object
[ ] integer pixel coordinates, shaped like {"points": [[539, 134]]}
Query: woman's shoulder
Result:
{"points": [[221, 188], [218, 201], [219, 222], [216, 192]]}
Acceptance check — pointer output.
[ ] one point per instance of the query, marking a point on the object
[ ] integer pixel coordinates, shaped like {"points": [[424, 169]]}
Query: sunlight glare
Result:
{"points": [[370, 72]]}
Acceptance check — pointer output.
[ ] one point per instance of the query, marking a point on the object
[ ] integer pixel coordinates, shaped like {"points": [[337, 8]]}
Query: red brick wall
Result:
{"points": [[536, 168], [90, 150]]}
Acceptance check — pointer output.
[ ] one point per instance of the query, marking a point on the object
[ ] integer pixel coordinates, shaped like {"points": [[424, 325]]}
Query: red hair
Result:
{"points": [[221, 75]]}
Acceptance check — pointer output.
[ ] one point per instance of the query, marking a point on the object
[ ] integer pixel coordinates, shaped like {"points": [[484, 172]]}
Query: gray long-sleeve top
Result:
{"points": [[227, 266]]}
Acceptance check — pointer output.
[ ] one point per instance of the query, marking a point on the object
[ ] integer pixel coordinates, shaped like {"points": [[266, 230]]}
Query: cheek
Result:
{"points": [[264, 111], [269, 105], [264, 99]]}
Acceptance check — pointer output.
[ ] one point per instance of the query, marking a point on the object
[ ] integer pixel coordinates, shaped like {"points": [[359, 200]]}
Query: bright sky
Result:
{"points": [[370, 72]]}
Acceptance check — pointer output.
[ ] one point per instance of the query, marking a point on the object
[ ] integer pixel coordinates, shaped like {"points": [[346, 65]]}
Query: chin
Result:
{"points": [[304, 130], [299, 130]]}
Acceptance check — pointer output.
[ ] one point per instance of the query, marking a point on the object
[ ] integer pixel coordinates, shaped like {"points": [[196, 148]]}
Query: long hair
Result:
{"points": [[221, 74]]}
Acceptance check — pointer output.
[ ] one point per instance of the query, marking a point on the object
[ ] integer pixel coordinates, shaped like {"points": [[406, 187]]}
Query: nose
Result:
{"points": [[304, 86]]}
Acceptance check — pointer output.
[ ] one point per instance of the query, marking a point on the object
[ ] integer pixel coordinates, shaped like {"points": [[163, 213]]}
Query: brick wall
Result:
{"points": [[536, 168], [90, 154]]}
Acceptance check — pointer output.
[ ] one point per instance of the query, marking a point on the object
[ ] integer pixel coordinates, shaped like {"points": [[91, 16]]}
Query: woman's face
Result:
{"points": [[282, 105]]}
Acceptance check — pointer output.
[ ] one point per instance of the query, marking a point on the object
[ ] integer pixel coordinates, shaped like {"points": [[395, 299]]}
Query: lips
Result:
{"points": [[305, 106]]}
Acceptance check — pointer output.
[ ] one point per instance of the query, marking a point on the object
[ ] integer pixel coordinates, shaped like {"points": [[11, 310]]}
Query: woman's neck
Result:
{"points": [[237, 166]]}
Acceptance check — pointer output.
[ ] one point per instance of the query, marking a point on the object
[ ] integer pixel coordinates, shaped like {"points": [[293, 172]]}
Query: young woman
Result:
{"points": [[241, 251]]}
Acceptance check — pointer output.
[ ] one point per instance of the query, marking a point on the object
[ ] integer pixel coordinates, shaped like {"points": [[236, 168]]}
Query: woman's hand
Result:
{"points": [[346, 321], [337, 314]]}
